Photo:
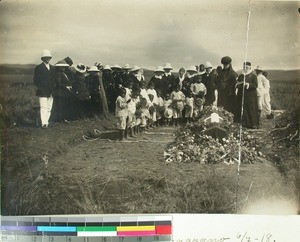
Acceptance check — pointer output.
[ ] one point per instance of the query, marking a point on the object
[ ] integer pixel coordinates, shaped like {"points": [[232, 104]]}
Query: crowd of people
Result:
{"points": [[68, 92]]}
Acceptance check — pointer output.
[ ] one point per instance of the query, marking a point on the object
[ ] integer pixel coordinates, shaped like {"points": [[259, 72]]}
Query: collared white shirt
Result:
{"points": [[47, 65], [158, 77], [168, 74]]}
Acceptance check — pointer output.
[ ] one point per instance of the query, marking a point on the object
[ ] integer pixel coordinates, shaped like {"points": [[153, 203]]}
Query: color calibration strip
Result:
{"points": [[144, 228]]}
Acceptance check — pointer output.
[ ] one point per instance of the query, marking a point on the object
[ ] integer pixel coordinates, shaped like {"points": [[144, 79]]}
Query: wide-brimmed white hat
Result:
{"points": [[46, 53], [116, 67], [192, 68], [126, 67], [61, 63], [93, 68], [159, 69], [168, 66], [259, 68], [135, 68], [81, 68], [168, 113], [106, 67], [207, 65]]}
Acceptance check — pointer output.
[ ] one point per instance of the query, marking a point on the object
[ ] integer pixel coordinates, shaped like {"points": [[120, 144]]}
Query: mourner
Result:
{"points": [[247, 95], [81, 92], [169, 78], [209, 79], [63, 95], [226, 86], [189, 79], [263, 93], [44, 81], [93, 85]]}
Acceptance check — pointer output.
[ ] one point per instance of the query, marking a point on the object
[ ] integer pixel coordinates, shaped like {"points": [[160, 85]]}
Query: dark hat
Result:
{"points": [[226, 60], [68, 60], [247, 63]]}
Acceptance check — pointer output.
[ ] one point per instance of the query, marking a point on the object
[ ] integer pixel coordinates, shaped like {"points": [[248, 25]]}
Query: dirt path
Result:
{"points": [[134, 155]]}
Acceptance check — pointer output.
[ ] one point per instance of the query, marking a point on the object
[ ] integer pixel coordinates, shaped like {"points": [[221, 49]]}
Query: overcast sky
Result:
{"points": [[150, 32]]}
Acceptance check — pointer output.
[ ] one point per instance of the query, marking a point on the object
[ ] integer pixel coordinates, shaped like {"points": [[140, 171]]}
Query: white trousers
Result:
{"points": [[45, 109], [264, 104]]}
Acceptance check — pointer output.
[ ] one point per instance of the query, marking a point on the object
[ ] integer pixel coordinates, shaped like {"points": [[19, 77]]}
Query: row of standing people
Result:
{"points": [[84, 91]]}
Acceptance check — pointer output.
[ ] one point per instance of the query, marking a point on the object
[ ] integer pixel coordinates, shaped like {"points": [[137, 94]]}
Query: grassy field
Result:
{"points": [[102, 176]]}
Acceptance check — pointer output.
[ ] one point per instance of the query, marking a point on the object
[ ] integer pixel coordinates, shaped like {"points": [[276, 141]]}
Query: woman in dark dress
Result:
{"points": [[81, 93], [247, 84], [157, 79], [226, 86], [63, 98]]}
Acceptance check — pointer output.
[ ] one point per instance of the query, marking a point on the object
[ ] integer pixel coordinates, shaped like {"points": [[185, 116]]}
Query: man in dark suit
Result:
{"points": [[44, 80]]}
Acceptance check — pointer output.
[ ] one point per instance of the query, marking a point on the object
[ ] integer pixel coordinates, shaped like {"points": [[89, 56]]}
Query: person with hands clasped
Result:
{"points": [[246, 89]]}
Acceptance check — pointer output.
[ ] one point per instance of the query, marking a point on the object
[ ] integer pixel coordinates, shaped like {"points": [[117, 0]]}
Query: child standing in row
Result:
{"points": [[189, 108], [178, 99], [121, 113]]}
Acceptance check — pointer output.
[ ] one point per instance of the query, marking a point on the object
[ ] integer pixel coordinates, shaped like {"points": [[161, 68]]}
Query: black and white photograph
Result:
{"points": [[149, 107]]}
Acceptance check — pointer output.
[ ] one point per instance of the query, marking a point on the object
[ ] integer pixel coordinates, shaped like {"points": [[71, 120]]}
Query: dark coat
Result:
{"points": [[61, 82], [126, 79], [250, 117], [170, 79], [136, 84], [92, 83], [226, 81], [79, 87], [209, 81], [44, 80]]}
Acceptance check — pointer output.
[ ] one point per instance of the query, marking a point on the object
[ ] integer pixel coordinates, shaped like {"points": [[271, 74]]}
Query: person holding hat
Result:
{"points": [[168, 79], [209, 79], [226, 81], [63, 96], [263, 94], [44, 81], [247, 98]]}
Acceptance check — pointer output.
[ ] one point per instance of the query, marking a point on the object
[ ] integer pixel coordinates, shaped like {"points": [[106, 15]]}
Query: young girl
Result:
{"points": [[121, 113], [132, 120], [189, 108], [178, 99]]}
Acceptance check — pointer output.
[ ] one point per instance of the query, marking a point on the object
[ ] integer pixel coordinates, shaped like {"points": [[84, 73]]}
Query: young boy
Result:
{"points": [[167, 109], [152, 111], [178, 99], [159, 108], [121, 113]]}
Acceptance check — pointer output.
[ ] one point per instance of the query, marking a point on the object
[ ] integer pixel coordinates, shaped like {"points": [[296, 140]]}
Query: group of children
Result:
{"points": [[137, 111]]}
